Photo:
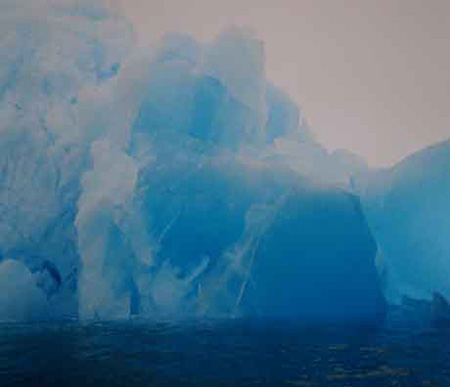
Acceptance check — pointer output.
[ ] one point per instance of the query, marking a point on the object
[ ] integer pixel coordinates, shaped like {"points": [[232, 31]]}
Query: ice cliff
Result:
{"points": [[169, 181]]}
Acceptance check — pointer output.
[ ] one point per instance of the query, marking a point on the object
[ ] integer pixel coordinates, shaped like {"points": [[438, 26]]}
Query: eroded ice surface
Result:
{"points": [[20, 297], [174, 180]]}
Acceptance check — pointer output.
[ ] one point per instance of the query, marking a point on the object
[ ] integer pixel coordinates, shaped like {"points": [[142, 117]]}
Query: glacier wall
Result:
{"points": [[166, 181]]}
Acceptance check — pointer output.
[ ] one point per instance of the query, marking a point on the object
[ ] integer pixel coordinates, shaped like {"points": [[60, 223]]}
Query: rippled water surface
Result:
{"points": [[217, 353]]}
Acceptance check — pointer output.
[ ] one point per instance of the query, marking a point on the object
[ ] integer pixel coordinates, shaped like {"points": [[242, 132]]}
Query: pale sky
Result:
{"points": [[372, 76]]}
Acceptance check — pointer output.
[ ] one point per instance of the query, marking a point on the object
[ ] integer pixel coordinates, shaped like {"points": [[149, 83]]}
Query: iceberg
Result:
{"points": [[406, 207], [168, 181]]}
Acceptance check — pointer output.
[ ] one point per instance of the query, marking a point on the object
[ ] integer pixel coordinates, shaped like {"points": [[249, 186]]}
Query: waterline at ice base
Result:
{"points": [[176, 181]]}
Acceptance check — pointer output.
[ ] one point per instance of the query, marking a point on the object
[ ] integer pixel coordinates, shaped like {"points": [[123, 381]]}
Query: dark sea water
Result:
{"points": [[219, 353]]}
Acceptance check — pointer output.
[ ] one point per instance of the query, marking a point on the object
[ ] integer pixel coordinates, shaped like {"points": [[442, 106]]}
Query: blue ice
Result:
{"points": [[174, 180]]}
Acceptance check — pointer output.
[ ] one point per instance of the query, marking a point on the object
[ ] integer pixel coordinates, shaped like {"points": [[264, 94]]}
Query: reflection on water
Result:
{"points": [[216, 353]]}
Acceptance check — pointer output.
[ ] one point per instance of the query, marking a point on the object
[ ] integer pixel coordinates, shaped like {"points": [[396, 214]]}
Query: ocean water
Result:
{"points": [[222, 353]]}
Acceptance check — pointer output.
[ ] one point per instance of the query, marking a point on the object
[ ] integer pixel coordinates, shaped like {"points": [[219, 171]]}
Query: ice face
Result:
{"points": [[273, 259], [49, 55], [168, 181], [20, 298], [406, 207], [106, 257]]}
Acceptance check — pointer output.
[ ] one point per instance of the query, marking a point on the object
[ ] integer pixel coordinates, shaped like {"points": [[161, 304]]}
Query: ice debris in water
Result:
{"points": [[174, 180]]}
